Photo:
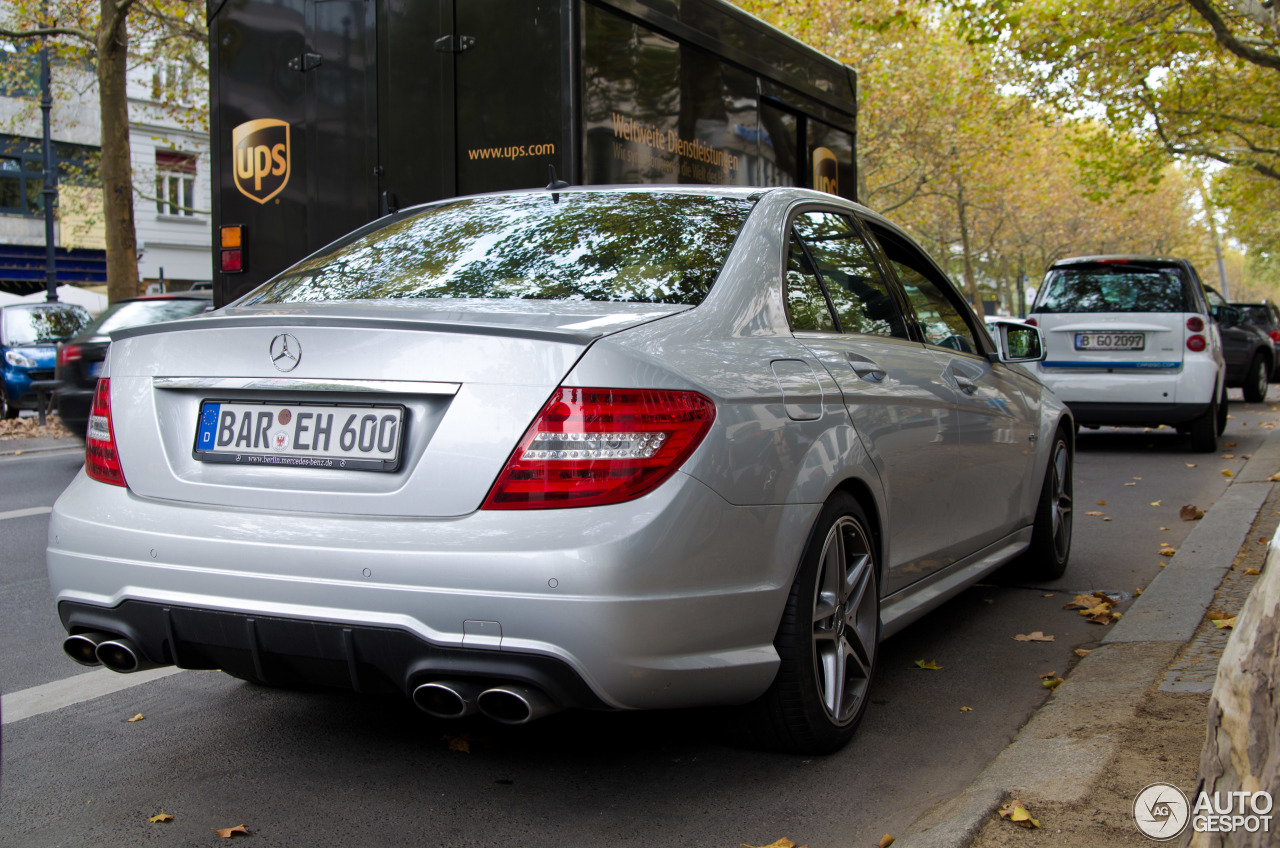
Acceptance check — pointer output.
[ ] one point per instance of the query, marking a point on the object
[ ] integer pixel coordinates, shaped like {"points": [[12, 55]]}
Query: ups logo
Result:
{"points": [[826, 171], [261, 152]]}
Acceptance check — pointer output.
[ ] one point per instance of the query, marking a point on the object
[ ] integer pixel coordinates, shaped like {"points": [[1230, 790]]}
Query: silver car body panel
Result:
{"points": [[670, 599]]}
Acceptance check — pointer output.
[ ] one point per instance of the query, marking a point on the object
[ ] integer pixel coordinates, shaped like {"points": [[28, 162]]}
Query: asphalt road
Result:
{"points": [[332, 768]]}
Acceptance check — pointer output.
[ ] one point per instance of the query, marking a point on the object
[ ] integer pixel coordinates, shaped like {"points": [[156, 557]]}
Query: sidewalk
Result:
{"points": [[1135, 710], [24, 435]]}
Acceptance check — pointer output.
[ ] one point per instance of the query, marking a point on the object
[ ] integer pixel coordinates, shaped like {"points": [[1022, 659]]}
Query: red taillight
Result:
{"points": [[232, 261], [1275, 336], [1195, 343], [590, 447], [100, 459], [1195, 324], [69, 353], [1031, 322]]}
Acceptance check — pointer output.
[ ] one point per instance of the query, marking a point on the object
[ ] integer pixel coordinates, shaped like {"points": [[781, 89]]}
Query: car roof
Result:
{"points": [[182, 295], [1119, 258]]}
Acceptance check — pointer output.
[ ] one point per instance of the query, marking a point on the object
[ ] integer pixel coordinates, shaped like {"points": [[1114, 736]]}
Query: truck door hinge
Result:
{"points": [[305, 62], [455, 43]]}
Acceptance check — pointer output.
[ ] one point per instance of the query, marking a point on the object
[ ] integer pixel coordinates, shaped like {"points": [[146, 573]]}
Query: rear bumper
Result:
{"points": [[670, 600], [1136, 414]]}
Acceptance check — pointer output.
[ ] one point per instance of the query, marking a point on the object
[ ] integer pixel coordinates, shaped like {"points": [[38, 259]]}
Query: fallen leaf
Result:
{"points": [[1100, 609], [1094, 512], [1137, 591], [1191, 465], [138, 717], [1274, 478], [1217, 615], [1137, 478], [228, 832], [1131, 484], [1154, 503], [1014, 811], [461, 742], [1228, 444], [1052, 683], [1166, 528], [784, 842], [1083, 652], [1228, 456], [931, 665], [1102, 503], [1047, 595], [1168, 551], [1226, 472], [1081, 602], [885, 841], [161, 816], [1222, 623], [1107, 518], [1048, 674], [1252, 571], [966, 709], [1037, 636], [1262, 540]]}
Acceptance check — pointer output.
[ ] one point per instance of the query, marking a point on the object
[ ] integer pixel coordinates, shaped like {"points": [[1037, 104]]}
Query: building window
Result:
{"points": [[175, 183], [22, 172]]}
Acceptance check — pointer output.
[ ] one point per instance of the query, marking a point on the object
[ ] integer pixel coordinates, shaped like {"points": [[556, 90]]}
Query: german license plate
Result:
{"points": [[1111, 341], [353, 437], [95, 369]]}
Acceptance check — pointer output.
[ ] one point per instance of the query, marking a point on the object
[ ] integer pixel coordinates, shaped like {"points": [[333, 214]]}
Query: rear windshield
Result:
{"points": [[629, 247], [34, 324], [1256, 314], [1111, 288], [135, 313]]}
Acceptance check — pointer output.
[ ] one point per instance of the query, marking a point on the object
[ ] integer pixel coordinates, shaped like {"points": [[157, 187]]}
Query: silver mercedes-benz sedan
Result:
{"points": [[624, 448]]}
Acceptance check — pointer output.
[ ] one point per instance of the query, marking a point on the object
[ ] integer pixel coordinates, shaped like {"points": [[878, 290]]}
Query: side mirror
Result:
{"points": [[1227, 316], [1018, 342]]}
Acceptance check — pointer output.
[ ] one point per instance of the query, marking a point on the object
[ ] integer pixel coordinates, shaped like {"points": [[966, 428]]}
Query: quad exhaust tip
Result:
{"points": [[447, 698], [121, 655], [83, 647], [515, 704], [508, 704]]}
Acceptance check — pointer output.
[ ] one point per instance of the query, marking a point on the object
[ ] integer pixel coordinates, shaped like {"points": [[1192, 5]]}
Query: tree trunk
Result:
{"points": [[117, 171], [970, 284]]}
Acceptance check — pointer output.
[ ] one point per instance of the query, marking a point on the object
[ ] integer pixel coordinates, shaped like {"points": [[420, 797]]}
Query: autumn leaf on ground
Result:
{"points": [[1100, 609], [1228, 444], [1262, 540], [784, 842], [1168, 551], [1166, 528], [1228, 456], [966, 709], [1274, 478], [1131, 484], [1222, 623], [228, 832], [1219, 615], [1105, 617], [138, 717], [1081, 602], [1137, 478], [1083, 652], [161, 816], [1037, 636], [931, 665], [1047, 595], [1191, 465], [1138, 591], [1154, 503], [1102, 503], [1051, 682], [1226, 472], [885, 841], [1095, 513], [1252, 571], [461, 742], [1014, 811]]}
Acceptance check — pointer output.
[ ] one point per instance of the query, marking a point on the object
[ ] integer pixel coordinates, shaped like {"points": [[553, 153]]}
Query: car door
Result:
{"points": [[903, 409], [996, 404]]}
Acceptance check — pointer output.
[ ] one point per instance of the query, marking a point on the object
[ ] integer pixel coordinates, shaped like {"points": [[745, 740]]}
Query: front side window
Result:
{"points": [[860, 295], [938, 309], [621, 246], [1115, 288]]}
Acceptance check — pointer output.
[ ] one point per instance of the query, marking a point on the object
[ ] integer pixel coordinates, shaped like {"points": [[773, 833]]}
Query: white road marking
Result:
{"points": [[73, 690], [23, 513]]}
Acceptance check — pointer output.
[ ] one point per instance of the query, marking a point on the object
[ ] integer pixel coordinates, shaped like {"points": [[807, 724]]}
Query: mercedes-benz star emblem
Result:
{"points": [[286, 352]]}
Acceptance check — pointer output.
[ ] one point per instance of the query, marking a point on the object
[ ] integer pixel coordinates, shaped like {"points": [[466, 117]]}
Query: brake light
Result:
{"points": [[590, 447], [1195, 324], [100, 459], [231, 249], [69, 353], [1275, 336], [1195, 343], [1031, 322]]}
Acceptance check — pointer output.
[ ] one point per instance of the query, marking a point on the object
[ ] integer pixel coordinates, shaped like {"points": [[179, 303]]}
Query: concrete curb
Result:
{"points": [[39, 444], [1078, 728]]}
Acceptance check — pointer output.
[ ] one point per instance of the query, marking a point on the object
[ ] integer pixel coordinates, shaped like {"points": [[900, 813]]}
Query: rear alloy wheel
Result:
{"points": [[7, 410], [1046, 558], [1255, 382], [828, 639], [1204, 430]]}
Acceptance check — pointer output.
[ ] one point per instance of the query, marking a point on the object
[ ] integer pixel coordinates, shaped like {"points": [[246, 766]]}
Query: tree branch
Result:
{"points": [[1228, 39], [23, 34]]}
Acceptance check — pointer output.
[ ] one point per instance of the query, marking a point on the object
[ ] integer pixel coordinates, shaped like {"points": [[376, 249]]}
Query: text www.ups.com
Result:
{"points": [[515, 152]]}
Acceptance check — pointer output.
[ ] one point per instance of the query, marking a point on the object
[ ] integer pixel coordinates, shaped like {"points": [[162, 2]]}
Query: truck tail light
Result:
{"points": [[1195, 324], [1195, 343], [69, 353], [231, 244], [101, 462], [590, 447]]}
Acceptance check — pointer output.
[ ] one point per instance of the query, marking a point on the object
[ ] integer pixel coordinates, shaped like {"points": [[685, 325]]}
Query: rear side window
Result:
{"points": [[632, 247], [1112, 288], [849, 273]]}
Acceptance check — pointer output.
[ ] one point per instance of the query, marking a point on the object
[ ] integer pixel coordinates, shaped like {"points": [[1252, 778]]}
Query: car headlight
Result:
{"points": [[19, 359]]}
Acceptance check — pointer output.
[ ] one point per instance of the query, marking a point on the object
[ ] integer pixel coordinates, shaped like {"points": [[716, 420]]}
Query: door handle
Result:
{"points": [[965, 385], [866, 369]]}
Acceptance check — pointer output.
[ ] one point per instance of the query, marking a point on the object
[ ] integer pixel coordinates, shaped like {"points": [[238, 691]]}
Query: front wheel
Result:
{"points": [[1255, 382], [1046, 558], [827, 641]]}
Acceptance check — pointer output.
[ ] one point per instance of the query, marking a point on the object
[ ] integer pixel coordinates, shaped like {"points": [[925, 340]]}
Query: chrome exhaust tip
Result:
{"points": [[120, 654], [515, 704], [83, 647], [447, 698]]}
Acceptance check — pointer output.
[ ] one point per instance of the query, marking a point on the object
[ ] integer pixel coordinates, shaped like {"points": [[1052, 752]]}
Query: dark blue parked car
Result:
{"points": [[29, 333]]}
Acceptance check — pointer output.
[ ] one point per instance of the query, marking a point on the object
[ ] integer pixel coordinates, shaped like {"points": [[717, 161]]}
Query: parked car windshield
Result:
{"points": [[658, 247], [1255, 314], [135, 313], [1115, 288], [53, 323]]}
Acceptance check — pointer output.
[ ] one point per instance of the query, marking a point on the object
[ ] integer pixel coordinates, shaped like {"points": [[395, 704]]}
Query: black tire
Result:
{"points": [[7, 410], [1050, 550], [1256, 379], [1224, 409], [1204, 430], [820, 693]]}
